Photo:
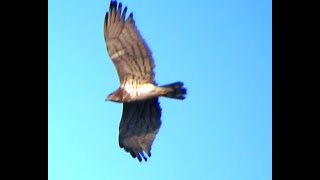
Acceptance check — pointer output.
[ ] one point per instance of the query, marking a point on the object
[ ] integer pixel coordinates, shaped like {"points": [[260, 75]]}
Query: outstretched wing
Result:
{"points": [[139, 125], [127, 49]]}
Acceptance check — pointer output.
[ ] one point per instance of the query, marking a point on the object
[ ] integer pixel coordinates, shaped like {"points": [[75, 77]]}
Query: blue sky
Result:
{"points": [[221, 50]]}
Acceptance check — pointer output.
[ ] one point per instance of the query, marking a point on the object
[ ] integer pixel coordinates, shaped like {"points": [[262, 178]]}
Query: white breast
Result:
{"points": [[137, 91], [146, 88]]}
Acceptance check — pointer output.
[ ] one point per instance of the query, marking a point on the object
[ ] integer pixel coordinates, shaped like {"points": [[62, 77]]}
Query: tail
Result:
{"points": [[175, 90]]}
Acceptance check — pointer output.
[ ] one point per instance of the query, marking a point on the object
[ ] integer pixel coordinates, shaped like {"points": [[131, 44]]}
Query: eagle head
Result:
{"points": [[115, 96]]}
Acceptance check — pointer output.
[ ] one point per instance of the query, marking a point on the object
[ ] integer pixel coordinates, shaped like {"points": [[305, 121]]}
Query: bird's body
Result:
{"points": [[138, 92], [141, 117]]}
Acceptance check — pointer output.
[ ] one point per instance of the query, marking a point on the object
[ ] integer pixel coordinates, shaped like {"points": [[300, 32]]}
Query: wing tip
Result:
{"points": [[113, 3], [137, 154], [117, 7]]}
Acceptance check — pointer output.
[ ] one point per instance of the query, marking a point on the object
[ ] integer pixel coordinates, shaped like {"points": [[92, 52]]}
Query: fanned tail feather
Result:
{"points": [[177, 91]]}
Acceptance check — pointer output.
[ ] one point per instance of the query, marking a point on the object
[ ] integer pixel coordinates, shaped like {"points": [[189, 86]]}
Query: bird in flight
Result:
{"points": [[138, 91]]}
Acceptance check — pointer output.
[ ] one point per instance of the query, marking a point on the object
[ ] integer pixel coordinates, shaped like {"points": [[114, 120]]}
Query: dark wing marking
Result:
{"points": [[139, 125], [126, 47]]}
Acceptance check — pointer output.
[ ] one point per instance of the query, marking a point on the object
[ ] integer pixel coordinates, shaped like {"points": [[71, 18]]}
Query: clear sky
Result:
{"points": [[221, 50]]}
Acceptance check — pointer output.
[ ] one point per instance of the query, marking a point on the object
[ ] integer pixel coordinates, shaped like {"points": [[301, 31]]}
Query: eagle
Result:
{"points": [[138, 91]]}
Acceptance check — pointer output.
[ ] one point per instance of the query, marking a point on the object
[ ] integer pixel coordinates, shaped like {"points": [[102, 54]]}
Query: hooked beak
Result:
{"points": [[107, 98]]}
